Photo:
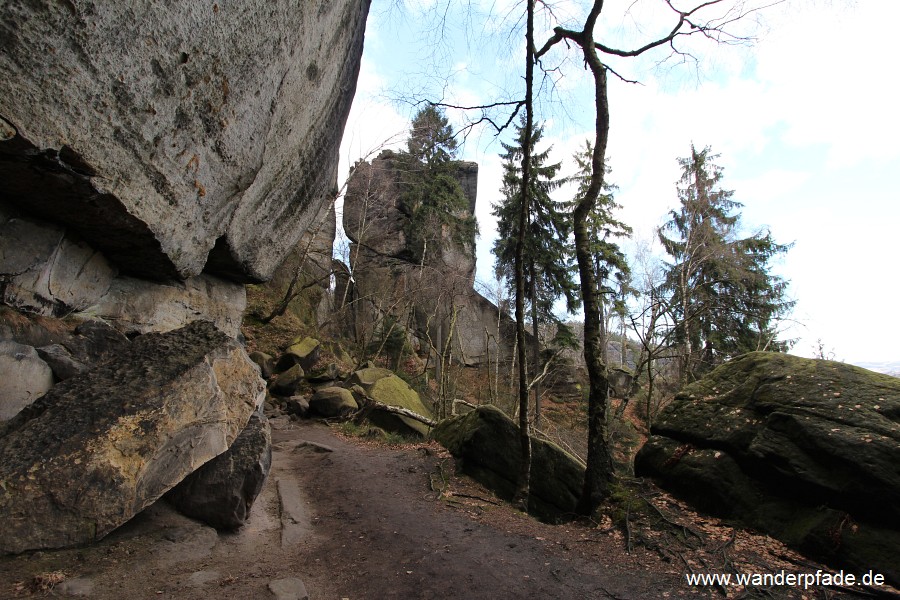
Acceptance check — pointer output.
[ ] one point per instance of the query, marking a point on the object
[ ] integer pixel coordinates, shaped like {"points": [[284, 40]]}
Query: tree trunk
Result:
{"points": [[535, 350], [598, 476], [524, 482]]}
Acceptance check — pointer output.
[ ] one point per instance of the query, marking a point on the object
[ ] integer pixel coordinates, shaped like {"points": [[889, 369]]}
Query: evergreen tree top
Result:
{"points": [[431, 138]]}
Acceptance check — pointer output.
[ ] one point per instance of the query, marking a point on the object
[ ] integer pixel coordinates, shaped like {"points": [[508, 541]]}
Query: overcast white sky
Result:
{"points": [[806, 123]]}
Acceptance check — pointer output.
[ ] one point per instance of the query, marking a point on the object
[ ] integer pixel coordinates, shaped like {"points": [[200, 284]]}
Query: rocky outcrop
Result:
{"points": [[101, 446], [221, 492], [436, 294], [487, 443], [806, 450], [177, 139]]}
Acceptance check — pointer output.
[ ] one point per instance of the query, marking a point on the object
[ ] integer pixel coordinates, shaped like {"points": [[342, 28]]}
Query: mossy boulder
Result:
{"points": [[332, 402], [487, 443], [806, 450], [383, 386], [367, 377], [303, 351]]}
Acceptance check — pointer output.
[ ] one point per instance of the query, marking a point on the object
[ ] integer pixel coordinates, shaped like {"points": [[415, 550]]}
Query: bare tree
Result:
{"points": [[710, 19]]}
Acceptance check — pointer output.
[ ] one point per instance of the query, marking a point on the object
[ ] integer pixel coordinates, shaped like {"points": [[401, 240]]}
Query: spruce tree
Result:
{"points": [[431, 195], [726, 302], [547, 253]]}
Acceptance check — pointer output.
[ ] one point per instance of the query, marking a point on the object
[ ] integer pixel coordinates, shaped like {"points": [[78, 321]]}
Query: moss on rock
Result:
{"points": [[795, 447]]}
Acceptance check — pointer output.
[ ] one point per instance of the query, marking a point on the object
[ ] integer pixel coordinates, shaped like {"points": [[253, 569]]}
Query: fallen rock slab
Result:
{"points": [[101, 446]]}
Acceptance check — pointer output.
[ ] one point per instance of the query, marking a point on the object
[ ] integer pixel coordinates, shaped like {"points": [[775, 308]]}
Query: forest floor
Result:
{"points": [[358, 519]]}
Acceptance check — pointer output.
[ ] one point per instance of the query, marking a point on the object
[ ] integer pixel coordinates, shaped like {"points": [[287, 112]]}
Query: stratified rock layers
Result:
{"points": [[177, 137], [101, 446]]}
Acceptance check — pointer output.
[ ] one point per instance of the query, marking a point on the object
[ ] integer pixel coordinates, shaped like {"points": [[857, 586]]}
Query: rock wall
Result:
{"points": [[155, 157]]}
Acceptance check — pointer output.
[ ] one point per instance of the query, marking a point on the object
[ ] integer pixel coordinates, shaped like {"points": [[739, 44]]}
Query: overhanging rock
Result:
{"points": [[179, 137]]}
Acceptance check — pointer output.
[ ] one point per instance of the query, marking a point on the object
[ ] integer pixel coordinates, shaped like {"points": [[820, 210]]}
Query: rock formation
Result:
{"points": [[805, 450], [155, 157], [434, 294], [221, 492], [101, 446]]}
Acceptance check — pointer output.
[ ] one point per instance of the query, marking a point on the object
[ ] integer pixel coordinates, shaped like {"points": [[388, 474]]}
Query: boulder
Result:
{"points": [[367, 377], [173, 138], [221, 492], [328, 373], [332, 402], [101, 446], [287, 383], [806, 450], [486, 442], [297, 405], [24, 378], [383, 386], [302, 351]]}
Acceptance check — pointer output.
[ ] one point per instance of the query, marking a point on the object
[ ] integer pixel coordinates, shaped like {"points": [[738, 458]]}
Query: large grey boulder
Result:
{"points": [[806, 450], [487, 443], [221, 492], [177, 137], [101, 446]]}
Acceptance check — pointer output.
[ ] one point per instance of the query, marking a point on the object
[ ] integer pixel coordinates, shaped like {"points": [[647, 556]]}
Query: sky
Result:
{"points": [[804, 119]]}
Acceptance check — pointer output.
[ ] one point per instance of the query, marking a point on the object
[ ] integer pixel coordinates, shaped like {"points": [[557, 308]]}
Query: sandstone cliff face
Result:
{"points": [[154, 157], [177, 137]]}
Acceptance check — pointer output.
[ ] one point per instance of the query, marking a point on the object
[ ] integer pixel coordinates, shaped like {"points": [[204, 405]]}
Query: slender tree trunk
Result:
{"points": [[535, 350], [524, 482], [598, 476]]}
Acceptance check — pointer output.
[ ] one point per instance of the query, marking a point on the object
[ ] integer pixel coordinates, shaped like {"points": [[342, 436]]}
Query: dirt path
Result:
{"points": [[353, 520], [385, 536]]}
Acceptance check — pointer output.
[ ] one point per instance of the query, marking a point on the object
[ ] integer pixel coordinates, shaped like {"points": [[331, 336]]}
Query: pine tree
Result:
{"points": [[725, 299], [547, 254]]}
